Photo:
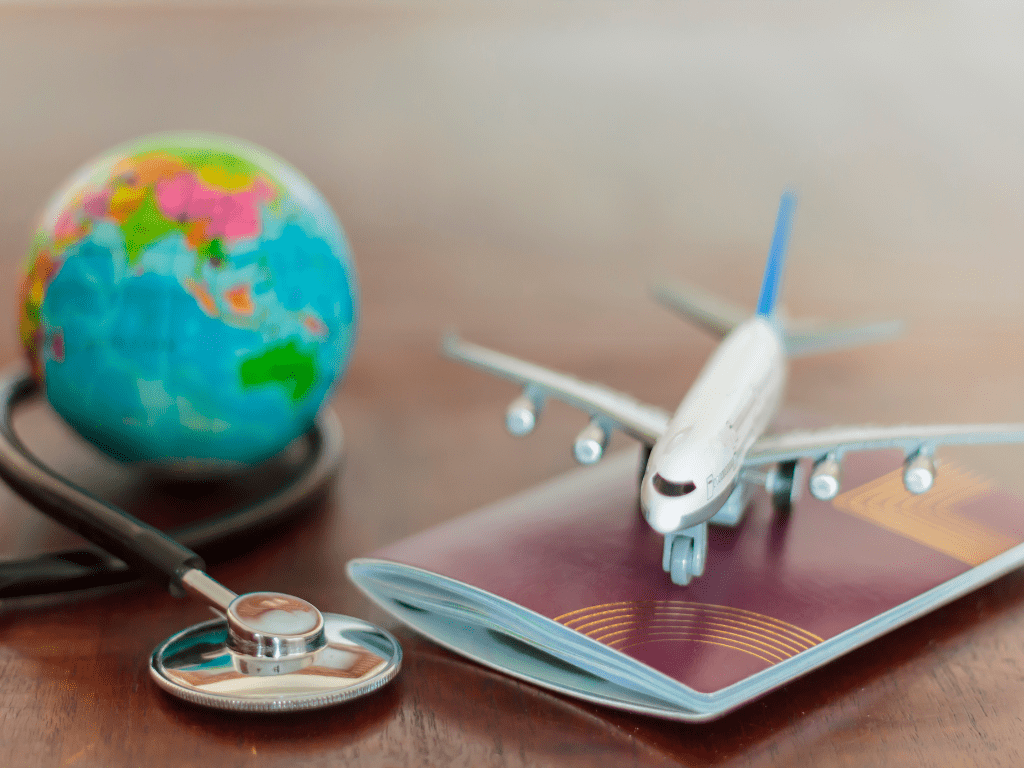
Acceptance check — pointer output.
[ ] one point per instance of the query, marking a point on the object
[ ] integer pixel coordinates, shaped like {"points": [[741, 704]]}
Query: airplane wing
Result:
{"points": [[611, 408], [839, 440], [802, 337]]}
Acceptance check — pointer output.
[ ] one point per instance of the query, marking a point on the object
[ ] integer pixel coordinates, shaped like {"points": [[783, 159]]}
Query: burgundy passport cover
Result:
{"points": [[781, 594]]}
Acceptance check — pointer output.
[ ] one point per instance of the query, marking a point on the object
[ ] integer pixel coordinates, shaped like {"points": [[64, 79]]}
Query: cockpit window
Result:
{"points": [[668, 488]]}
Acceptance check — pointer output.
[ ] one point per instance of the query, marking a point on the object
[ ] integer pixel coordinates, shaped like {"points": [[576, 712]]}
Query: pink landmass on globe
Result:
{"points": [[67, 225], [97, 204], [231, 215], [57, 345]]}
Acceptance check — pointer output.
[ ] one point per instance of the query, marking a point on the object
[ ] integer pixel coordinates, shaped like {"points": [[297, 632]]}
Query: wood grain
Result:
{"points": [[523, 172]]}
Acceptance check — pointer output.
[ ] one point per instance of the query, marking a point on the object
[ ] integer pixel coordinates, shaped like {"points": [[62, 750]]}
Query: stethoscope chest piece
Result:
{"points": [[283, 659]]}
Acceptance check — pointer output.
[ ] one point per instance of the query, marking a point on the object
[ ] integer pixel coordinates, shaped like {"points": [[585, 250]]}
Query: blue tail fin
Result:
{"points": [[776, 256]]}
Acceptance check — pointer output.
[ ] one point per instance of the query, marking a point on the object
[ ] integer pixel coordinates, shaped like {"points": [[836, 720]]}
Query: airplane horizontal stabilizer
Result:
{"points": [[701, 307], [803, 339]]}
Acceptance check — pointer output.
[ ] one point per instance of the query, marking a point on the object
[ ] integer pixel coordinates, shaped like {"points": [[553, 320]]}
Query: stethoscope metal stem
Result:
{"points": [[211, 592]]}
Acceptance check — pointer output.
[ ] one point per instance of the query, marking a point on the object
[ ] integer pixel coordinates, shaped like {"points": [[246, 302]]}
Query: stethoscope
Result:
{"points": [[270, 652]]}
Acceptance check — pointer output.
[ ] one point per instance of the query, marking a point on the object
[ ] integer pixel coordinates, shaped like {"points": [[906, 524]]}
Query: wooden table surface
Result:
{"points": [[524, 171]]}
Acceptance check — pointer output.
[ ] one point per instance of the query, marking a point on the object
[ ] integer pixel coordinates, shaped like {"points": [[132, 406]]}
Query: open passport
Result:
{"points": [[563, 586]]}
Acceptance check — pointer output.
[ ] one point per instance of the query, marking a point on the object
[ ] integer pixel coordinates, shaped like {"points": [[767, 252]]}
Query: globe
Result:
{"points": [[189, 300]]}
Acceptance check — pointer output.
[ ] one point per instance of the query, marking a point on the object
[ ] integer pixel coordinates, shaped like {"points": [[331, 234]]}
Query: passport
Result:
{"points": [[562, 585]]}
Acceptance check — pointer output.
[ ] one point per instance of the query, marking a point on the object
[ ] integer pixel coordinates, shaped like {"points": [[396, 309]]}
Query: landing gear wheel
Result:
{"points": [[681, 560], [785, 487], [685, 553]]}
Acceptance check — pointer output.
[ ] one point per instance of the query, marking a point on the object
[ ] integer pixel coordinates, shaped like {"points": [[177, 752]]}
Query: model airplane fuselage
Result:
{"points": [[707, 457], [695, 465]]}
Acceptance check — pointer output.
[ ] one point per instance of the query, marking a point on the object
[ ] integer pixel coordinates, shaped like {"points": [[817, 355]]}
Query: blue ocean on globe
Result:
{"points": [[189, 300]]}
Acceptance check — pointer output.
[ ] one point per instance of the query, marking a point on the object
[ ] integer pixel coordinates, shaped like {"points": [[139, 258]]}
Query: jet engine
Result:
{"points": [[919, 472], [590, 443], [824, 482], [521, 416]]}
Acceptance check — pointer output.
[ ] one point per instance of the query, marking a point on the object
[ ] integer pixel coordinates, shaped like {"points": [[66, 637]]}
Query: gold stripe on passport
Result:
{"points": [[931, 518]]}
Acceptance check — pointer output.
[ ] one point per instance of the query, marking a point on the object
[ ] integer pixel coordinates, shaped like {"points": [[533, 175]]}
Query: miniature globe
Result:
{"points": [[189, 300]]}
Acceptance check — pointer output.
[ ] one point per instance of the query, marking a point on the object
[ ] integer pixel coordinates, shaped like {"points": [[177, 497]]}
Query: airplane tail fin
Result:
{"points": [[801, 337], [775, 267]]}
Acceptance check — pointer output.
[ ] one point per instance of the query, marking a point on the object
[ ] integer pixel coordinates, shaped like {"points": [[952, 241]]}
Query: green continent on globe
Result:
{"points": [[145, 226], [286, 365], [188, 298]]}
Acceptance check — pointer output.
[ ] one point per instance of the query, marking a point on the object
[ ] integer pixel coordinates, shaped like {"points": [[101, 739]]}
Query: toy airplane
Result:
{"points": [[706, 459]]}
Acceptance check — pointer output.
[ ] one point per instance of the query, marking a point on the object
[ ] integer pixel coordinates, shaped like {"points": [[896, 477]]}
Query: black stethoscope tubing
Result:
{"points": [[139, 548]]}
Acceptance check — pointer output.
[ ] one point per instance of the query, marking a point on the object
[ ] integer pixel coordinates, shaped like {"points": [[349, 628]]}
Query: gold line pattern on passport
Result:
{"points": [[931, 518], [630, 623]]}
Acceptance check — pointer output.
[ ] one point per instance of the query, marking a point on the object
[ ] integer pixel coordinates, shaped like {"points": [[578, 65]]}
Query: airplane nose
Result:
{"points": [[661, 522], [657, 511]]}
